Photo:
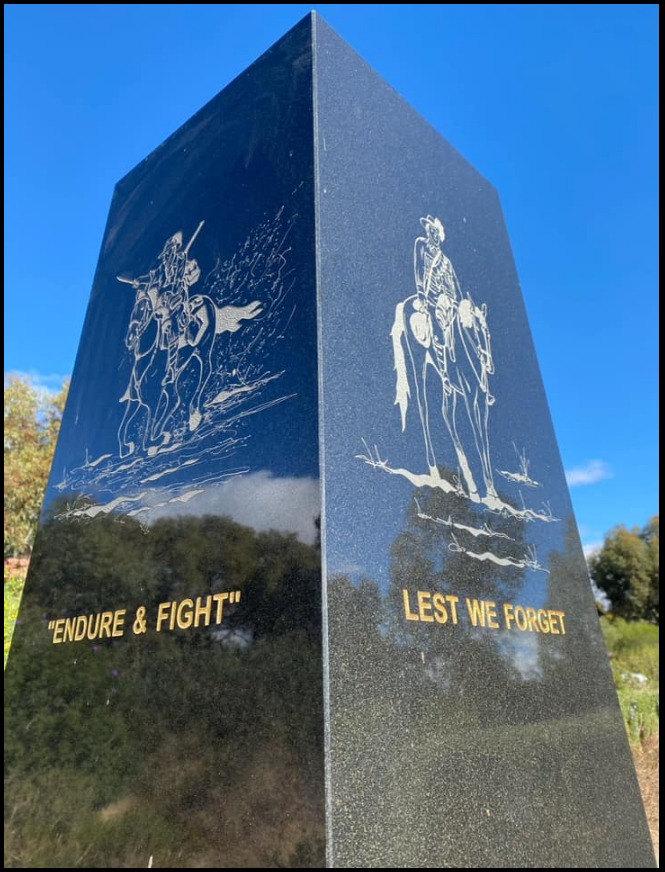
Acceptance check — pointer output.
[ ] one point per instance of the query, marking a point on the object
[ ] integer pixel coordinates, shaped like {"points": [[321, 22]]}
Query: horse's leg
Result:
{"points": [[169, 401], [420, 382], [132, 406], [481, 416], [195, 414], [473, 411], [203, 355], [429, 446], [133, 398], [450, 417], [142, 370]]}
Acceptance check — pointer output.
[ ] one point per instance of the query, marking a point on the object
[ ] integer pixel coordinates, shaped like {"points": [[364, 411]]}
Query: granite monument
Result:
{"points": [[307, 588]]}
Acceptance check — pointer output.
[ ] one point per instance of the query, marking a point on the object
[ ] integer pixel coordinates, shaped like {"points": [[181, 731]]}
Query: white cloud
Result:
{"points": [[524, 650], [600, 596], [590, 473], [258, 500], [50, 383], [590, 548], [345, 567]]}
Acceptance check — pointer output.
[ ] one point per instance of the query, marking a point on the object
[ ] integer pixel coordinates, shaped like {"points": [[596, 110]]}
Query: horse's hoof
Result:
{"points": [[493, 502], [154, 449], [126, 450]]}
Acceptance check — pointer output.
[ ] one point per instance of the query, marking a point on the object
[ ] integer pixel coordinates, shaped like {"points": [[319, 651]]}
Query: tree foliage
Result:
{"points": [[32, 422], [626, 569]]}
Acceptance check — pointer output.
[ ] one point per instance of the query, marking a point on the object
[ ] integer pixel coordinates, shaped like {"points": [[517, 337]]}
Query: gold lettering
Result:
{"points": [[520, 618], [81, 626], [490, 611], [189, 612], [57, 632], [440, 611], [482, 612], [425, 606], [476, 612], [410, 616], [531, 619], [202, 611], [452, 602], [93, 628], [185, 615], [105, 628], [163, 611], [219, 599], [119, 622], [560, 616], [534, 620], [70, 623]]}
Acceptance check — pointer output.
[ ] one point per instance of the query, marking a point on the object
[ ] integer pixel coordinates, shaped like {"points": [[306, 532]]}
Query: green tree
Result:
{"points": [[32, 422], [626, 569]]}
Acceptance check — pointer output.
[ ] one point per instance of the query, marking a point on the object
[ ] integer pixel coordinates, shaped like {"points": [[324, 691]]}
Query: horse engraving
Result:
{"points": [[439, 333], [443, 363], [171, 336]]}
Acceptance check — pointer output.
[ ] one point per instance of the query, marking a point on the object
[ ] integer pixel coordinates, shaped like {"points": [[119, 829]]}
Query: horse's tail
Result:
{"points": [[402, 391], [228, 318]]}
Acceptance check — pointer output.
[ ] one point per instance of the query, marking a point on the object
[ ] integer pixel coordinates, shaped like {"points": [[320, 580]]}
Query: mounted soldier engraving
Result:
{"points": [[183, 327]]}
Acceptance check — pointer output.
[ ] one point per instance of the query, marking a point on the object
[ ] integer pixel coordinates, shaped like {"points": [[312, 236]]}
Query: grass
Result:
{"points": [[633, 649]]}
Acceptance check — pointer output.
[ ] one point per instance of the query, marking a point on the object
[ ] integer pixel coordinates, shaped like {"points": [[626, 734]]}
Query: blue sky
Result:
{"points": [[557, 105]]}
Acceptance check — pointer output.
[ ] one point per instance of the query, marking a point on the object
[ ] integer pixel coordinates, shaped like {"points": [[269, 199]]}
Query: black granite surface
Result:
{"points": [[186, 477], [307, 284], [449, 745]]}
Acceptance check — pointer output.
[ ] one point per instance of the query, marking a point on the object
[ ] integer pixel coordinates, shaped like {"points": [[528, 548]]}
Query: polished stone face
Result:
{"points": [[472, 715], [306, 281], [164, 700]]}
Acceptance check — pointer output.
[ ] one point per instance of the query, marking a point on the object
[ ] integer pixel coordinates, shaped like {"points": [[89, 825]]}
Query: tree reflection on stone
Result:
{"points": [[420, 712], [170, 745]]}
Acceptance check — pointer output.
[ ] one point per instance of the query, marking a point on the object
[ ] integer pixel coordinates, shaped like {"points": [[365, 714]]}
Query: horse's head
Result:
{"points": [[140, 338]]}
